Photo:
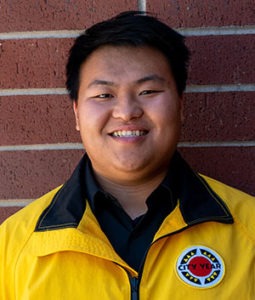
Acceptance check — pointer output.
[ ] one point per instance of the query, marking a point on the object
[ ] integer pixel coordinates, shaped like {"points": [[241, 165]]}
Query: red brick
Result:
{"points": [[232, 166], [23, 15], [31, 174], [26, 175], [33, 63], [219, 117], [37, 120], [200, 13], [41, 63], [222, 59], [6, 212]]}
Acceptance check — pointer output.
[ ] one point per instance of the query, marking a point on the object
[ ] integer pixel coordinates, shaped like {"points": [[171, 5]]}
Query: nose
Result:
{"points": [[127, 108]]}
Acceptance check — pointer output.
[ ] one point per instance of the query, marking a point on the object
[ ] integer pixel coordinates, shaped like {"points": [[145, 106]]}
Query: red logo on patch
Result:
{"points": [[200, 266]]}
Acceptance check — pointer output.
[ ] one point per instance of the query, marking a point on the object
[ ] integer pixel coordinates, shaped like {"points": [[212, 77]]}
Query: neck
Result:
{"points": [[131, 196]]}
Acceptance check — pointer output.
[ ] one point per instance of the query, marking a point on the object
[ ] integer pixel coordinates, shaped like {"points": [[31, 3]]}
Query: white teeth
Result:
{"points": [[128, 133]]}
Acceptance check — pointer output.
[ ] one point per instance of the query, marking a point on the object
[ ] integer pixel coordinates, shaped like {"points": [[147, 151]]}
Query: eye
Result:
{"points": [[103, 96], [149, 92]]}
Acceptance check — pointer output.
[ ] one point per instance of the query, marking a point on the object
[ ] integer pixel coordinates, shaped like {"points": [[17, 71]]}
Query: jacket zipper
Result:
{"points": [[134, 287], [134, 281]]}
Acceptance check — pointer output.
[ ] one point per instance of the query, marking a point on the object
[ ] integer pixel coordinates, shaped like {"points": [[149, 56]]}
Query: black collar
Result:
{"points": [[198, 202], [93, 189]]}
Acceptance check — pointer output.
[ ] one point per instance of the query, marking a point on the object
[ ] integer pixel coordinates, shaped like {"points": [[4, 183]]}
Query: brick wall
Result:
{"points": [[39, 146]]}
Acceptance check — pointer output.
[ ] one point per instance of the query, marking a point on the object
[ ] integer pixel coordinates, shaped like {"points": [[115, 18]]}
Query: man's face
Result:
{"points": [[128, 113]]}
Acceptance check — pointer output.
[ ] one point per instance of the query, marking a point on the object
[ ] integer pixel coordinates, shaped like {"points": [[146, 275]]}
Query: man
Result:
{"points": [[133, 221]]}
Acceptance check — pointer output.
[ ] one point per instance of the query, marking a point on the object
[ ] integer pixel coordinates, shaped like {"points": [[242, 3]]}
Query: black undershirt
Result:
{"points": [[130, 238]]}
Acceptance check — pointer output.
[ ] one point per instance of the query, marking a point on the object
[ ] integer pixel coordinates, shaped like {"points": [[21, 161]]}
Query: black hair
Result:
{"points": [[131, 28]]}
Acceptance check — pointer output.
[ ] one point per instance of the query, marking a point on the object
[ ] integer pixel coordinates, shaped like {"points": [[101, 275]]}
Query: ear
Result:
{"points": [[76, 114]]}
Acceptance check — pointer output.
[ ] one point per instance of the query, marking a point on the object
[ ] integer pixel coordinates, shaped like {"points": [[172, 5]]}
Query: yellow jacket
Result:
{"points": [[204, 258]]}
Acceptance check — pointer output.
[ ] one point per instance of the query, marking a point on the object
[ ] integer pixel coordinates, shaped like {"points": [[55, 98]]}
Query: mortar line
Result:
{"points": [[189, 31], [14, 202], [141, 4], [220, 88], [79, 146]]}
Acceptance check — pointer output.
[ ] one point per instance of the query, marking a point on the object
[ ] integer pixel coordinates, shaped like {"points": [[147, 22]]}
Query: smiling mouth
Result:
{"points": [[129, 133]]}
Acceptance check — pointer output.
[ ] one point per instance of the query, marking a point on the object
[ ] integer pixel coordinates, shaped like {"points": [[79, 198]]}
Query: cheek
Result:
{"points": [[92, 119]]}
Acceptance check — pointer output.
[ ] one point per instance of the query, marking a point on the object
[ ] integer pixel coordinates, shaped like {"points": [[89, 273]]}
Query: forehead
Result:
{"points": [[124, 61]]}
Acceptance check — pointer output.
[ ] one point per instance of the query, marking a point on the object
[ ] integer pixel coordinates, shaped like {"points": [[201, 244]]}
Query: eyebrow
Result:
{"points": [[101, 82], [153, 77]]}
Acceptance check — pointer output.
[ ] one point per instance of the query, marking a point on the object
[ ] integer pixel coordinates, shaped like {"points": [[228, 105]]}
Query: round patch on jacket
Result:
{"points": [[200, 267]]}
